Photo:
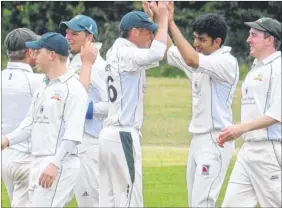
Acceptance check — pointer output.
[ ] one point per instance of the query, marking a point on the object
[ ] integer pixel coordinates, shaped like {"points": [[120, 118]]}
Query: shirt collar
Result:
{"points": [[126, 42], [268, 59], [63, 78], [222, 50], [19, 65]]}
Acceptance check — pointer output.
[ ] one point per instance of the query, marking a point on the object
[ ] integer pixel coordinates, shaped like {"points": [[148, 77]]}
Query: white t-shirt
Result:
{"points": [[18, 86], [57, 113], [213, 86], [261, 95], [126, 80]]}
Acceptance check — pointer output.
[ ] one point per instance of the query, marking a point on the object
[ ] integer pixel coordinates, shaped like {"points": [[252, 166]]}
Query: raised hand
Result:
{"points": [[147, 9], [88, 53], [170, 6], [163, 9]]}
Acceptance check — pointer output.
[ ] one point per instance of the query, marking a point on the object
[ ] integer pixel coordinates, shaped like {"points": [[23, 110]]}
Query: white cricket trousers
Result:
{"points": [[206, 169], [120, 167], [61, 191], [256, 176], [15, 175], [86, 189]]}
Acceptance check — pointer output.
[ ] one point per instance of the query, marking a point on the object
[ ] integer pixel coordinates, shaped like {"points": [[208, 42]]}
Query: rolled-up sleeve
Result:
{"points": [[175, 59], [223, 67], [138, 59]]}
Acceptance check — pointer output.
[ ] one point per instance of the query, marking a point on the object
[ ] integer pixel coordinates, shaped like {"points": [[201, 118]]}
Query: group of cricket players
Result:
{"points": [[74, 128]]}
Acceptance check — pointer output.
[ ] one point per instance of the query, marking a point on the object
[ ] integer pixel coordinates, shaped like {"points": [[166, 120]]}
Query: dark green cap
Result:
{"points": [[266, 24], [15, 40]]}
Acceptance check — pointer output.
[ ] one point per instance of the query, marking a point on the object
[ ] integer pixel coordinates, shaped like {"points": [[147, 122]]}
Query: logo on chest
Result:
{"points": [[56, 96], [259, 77]]}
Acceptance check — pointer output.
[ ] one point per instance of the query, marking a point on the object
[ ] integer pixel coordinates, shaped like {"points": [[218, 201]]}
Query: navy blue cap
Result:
{"points": [[81, 23], [137, 19], [51, 41]]}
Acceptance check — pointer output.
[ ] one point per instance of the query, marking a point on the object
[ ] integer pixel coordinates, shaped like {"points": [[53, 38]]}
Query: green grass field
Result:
{"points": [[166, 143]]}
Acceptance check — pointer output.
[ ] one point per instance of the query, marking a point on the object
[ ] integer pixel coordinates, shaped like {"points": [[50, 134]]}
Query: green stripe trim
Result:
{"points": [[126, 141]]}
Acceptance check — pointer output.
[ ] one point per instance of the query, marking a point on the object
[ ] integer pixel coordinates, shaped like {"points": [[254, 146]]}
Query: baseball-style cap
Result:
{"points": [[137, 19], [15, 40], [266, 24], [81, 23], [51, 41]]}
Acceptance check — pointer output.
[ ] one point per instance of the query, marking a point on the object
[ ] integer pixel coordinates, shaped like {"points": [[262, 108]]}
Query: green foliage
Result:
{"points": [[46, 15]]}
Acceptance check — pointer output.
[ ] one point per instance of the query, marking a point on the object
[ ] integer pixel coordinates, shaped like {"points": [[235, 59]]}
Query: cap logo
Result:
{"points": [[150, 20], [77, 17]]}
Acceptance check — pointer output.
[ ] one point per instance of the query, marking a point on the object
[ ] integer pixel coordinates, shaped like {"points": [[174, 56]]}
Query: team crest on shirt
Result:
{"points": [[259, 78], [56, 96], [205, 170]]}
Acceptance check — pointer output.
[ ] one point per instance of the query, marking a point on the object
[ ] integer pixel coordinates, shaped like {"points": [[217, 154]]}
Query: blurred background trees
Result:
{"points": [[46, 15]]}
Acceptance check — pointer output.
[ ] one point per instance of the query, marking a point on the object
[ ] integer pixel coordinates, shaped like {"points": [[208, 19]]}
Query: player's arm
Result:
{"points": [[271, 116], [88, 55], [22, 133], [190, 56], [142, 59], [100, 108]]}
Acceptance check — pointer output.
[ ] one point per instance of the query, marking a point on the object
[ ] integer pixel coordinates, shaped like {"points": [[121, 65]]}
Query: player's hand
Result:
{"points": [[147, 9], [163, 9], [48, 176], [170, 6], [88, 53], [230, 133], [4, 143]]}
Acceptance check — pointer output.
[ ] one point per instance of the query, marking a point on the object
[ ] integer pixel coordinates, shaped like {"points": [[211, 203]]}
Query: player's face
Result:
{"points": [[32, 55], [257, 42], [42, 60], [204, 44], [144, 38], [76, 40]]}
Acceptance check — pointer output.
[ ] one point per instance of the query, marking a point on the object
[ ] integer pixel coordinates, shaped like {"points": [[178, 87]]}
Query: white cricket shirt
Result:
{"points": [[126, 80], [213, 86], [261, 95], [97, 93], [18, 86], [57, 113]]}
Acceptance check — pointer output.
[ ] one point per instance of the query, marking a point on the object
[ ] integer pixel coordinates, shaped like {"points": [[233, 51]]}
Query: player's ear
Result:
{"points": [[217, 42]]}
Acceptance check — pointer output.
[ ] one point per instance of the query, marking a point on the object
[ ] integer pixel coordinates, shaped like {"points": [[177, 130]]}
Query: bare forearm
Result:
{"points": [[188, 53], [260, 123], [85, 75], [162, 31]]}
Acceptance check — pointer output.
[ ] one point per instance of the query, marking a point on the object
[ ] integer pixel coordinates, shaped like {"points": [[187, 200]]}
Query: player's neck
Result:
{"points": [[265, 53], [56, 71]]}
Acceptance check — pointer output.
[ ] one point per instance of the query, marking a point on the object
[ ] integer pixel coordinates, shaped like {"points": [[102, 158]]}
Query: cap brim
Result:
{"points": [[153, 27], [33, 45], [254, 25], [71, 26]]}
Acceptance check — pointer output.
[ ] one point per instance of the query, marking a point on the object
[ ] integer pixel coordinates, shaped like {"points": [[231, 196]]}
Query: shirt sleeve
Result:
{"points": [[175, 59], [64, 151], [138, 59], [274, 111], [221, 68], [23, 132], [74, 115]]}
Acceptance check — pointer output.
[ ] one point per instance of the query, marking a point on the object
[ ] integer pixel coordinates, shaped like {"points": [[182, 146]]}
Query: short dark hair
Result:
{"points": [[277, 43], [124, 33], [212, 24]]}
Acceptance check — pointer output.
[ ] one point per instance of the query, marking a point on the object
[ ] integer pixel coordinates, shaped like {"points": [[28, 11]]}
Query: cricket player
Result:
{"points": [[214, 74], [54, 122], [120, 140], [18, 86], [79, 29], [256, 176]]}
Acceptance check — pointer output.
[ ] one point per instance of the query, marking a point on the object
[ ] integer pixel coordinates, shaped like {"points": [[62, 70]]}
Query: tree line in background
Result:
{"points": [[45, 16]]}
